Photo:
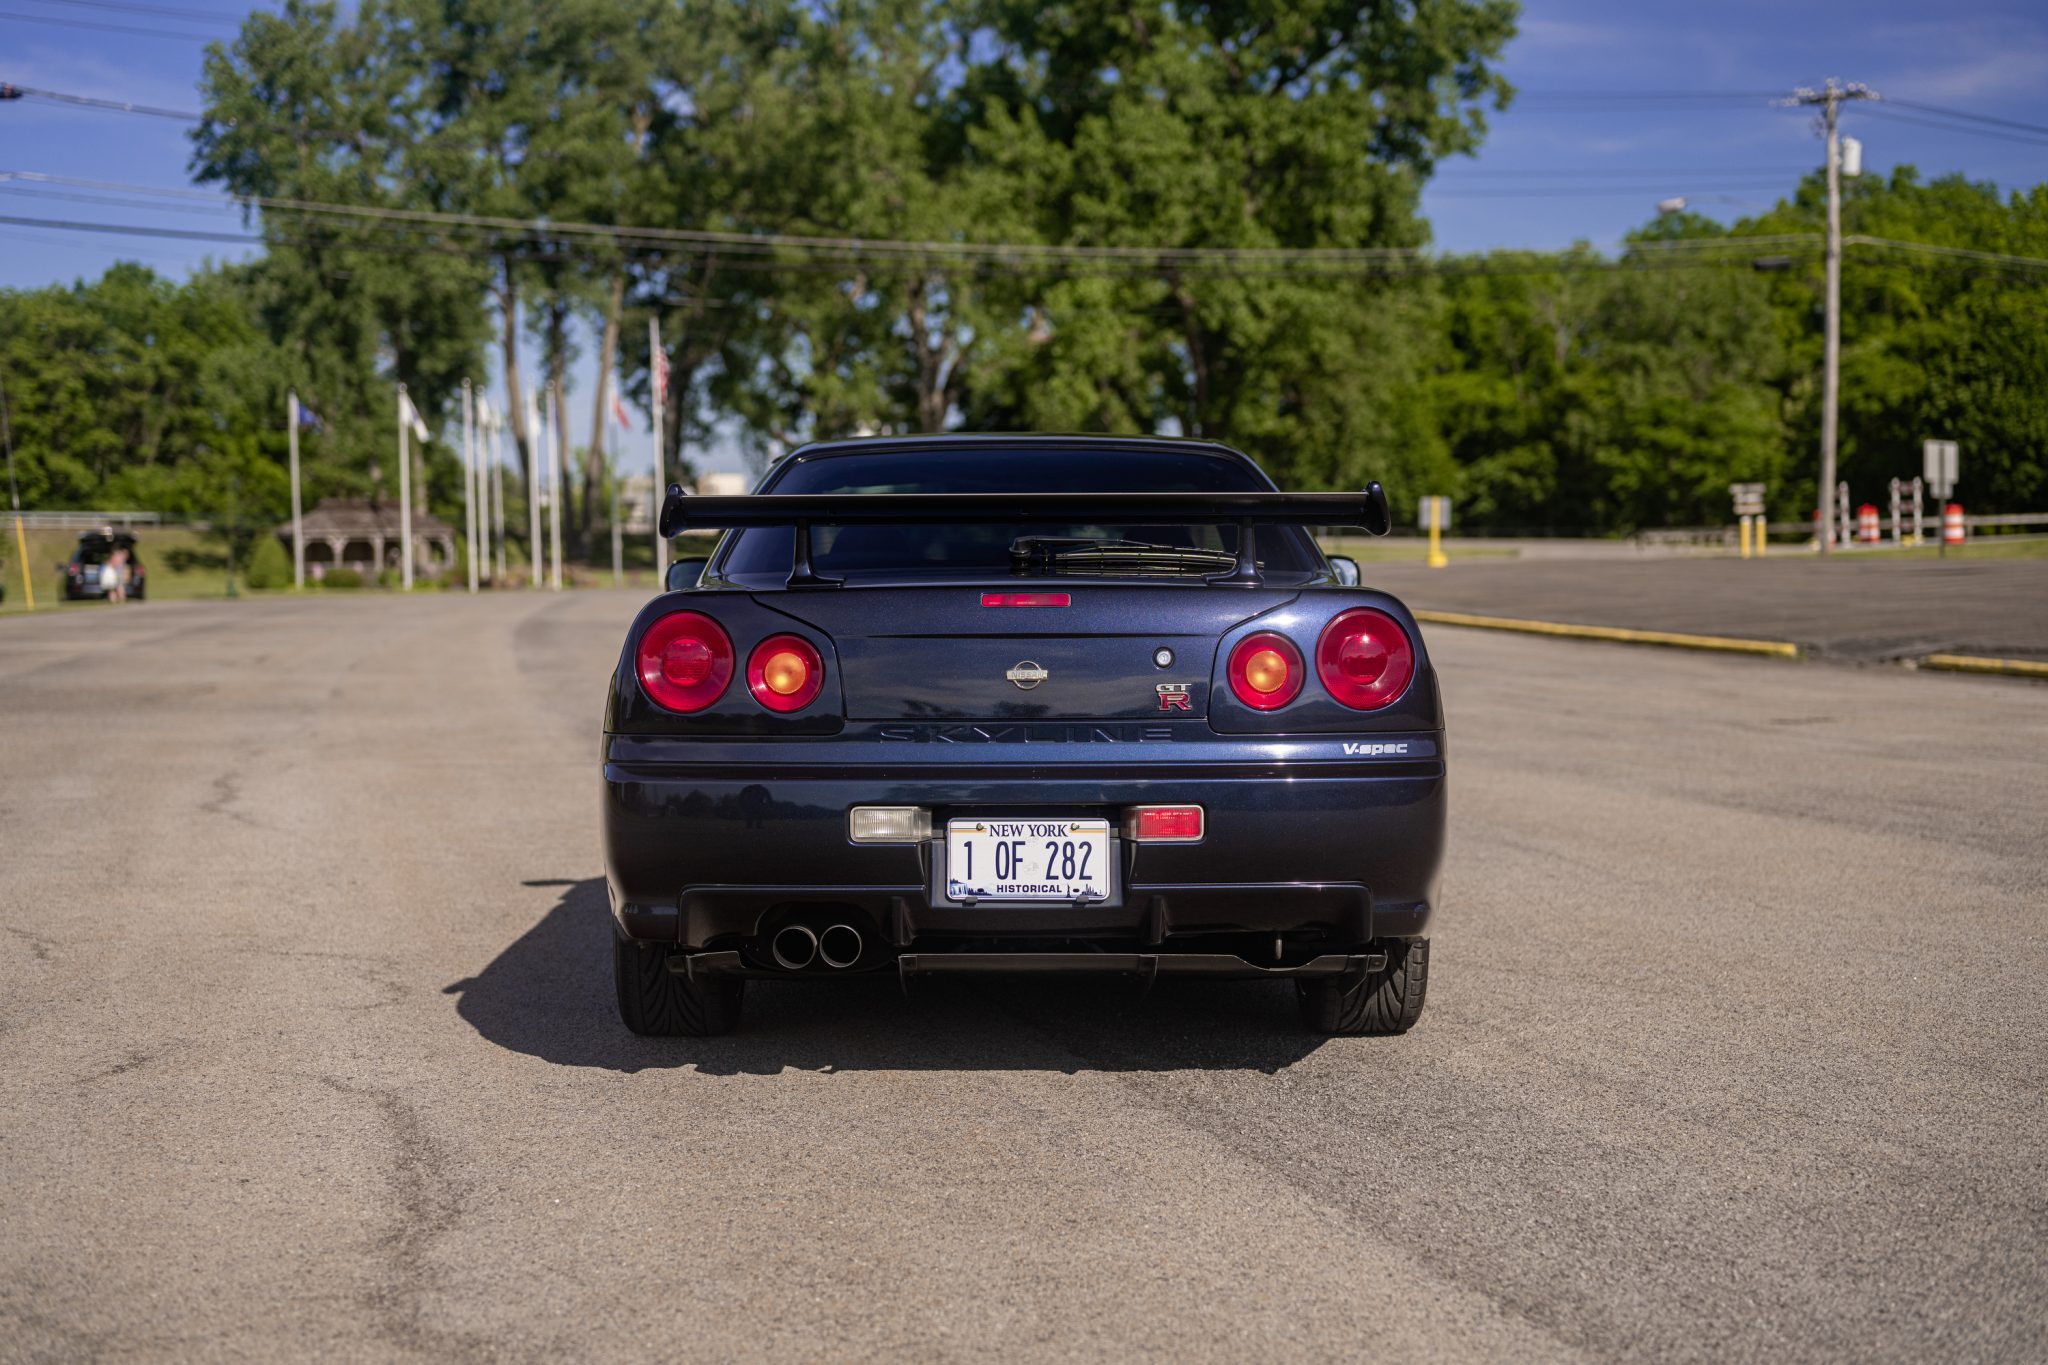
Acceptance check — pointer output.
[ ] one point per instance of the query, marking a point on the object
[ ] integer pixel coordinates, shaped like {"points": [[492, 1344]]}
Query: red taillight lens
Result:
{"points": [[1027, 599], [784, 673], [685, 661], [1365, 659], [1163, 824], [1266, 672]]}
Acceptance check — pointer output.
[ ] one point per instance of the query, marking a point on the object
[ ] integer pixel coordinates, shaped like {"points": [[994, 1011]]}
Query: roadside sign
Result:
{"points": [[1748, 499], [1938, 466], [1433, 513]]}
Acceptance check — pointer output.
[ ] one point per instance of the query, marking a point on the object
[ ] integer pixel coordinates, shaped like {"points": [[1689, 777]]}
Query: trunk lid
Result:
{"points": [[938, 653]]}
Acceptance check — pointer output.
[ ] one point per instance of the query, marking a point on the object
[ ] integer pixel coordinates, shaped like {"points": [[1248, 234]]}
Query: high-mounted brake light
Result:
{"points": [[685, 661], [1365, 659], [1266, 671], [1027, 599], [785, 673], [1163, 824]]}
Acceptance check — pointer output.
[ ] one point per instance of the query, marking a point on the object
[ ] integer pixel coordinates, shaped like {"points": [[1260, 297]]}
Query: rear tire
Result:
{"points": [[1386, 1001], [656, 1002]]}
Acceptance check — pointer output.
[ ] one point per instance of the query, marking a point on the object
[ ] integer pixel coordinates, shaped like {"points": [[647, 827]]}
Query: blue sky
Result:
{"points": [[1551, 171]]}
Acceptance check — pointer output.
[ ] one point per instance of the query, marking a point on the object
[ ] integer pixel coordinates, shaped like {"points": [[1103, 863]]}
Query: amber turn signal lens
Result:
{"points": [[785, 673], [1266, 672]]}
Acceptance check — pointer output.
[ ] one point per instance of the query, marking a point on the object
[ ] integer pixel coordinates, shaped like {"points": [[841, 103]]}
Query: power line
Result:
{"points": [[1973, 118], [1949, 127], [202, 16], [91, 102], [93, 25]]}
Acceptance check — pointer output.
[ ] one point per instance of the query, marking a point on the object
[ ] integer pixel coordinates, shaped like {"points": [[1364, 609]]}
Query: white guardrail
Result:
{"points": [[85, 521]]}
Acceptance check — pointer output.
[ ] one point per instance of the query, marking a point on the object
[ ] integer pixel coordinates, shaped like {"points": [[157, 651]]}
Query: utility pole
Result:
{"points": [[1830, 100]]}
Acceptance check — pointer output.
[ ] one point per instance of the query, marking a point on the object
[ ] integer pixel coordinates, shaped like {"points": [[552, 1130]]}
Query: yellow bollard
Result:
{"points": [[28, 582], [1436, 552], [1742, 524], [1759, 537]]}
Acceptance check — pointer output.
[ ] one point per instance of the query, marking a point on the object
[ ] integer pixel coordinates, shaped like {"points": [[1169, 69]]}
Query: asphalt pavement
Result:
{"points": [[1735, 1044], [1854, 608]]}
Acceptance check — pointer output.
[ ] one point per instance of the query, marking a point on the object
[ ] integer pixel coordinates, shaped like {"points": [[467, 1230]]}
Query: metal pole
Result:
{"points": [[656, 368], [618, 531], [469, 475], [28, 585], [291, 408], [535, 553], [557, 467], [498, 492], [1831, 361], [404, 490]]}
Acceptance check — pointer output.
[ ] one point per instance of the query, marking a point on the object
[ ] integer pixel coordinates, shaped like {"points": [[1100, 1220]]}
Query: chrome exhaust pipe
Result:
{"points": [[793, 947], [840, 945]]}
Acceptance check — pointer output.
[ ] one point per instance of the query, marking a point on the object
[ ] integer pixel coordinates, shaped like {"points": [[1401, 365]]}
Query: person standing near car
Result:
{"points": [[114, 575]]}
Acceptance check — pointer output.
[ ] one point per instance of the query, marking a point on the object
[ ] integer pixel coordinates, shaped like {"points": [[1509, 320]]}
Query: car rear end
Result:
{"points": [[1071, 765]]}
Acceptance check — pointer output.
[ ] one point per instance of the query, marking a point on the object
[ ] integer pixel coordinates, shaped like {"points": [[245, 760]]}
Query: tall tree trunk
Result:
{"points": [[607, 354], [515, 397], [556, 342]]}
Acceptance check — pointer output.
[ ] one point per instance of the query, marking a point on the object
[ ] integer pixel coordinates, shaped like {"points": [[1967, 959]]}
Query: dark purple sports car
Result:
{"points": [[1022, 704]]}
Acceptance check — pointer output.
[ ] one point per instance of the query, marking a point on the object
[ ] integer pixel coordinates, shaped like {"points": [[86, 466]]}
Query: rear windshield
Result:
{"points": [[944, 551]]}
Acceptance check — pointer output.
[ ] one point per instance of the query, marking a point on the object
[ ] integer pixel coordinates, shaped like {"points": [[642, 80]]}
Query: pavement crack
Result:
{"points": [[137, 1057], [426, 1204], [43, 946], [227, 792]]}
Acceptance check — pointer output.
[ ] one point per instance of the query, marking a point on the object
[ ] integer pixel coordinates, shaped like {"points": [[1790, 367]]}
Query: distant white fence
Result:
{"points": [[85, 521]]}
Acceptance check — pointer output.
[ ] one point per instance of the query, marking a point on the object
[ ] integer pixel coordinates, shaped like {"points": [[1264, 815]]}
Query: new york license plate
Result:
{"points": [[1027, 860]]}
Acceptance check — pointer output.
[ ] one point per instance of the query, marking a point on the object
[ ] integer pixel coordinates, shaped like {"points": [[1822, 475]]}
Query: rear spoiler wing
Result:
{"points": [[1366, 510]]}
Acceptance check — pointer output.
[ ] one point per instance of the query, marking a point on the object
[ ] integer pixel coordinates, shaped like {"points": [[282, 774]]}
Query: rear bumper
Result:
{"points": [[706, 854]]}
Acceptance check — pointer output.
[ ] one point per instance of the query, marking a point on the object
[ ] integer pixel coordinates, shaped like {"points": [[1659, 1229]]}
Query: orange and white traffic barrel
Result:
{"points": [[1866, 523], [1952, 524]]}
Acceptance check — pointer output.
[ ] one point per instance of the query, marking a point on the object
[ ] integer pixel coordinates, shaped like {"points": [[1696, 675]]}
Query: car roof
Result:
{"points": [[973, 441]]}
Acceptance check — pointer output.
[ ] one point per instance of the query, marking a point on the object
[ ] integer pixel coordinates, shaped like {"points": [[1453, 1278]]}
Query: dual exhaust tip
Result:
{"points": [[797, 946]]}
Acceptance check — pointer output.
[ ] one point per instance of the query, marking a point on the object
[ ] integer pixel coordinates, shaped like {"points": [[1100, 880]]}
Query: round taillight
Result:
{"points": [[785, 673], [1266, 671], [685, 661], [1365, 659]]}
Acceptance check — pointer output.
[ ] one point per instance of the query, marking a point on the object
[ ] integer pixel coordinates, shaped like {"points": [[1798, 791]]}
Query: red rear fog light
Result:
{"points": [[1163, 824]]}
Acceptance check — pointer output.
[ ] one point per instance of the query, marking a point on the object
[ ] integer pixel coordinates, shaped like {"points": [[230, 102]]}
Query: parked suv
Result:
{"points": [[82, 571]]}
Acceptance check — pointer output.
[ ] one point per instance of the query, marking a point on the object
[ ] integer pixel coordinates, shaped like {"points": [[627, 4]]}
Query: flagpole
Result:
{"points": [[480, 558], [535, 551], [557, 459], [618, 532], [469, 475], [404, 491], [291, 421], [28, 584], [498, 493], [657, 379]]}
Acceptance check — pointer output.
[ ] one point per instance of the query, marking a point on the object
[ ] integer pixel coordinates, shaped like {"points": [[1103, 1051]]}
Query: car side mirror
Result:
{"points": [[1346, 569], [684, 573]]}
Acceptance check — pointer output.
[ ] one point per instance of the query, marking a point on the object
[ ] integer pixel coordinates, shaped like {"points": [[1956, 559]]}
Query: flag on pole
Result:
{"points": [[483, 411], [412, 416], [619, 411], [309, 420], [660, 372]]}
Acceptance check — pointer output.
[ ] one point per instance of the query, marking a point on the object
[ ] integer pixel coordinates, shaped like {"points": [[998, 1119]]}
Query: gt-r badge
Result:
{"points": [[1175, 697], [1027, 675]]}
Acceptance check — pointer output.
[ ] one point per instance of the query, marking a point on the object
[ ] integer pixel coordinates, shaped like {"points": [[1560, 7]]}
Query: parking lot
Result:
{"points": [[1735, 1045]]}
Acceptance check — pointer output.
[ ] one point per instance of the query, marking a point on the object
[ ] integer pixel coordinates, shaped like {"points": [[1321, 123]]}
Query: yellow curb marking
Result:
{"points": [[1779, 649], [1974, 663]]}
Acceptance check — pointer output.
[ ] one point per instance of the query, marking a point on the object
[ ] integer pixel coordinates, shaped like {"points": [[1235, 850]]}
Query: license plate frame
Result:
{"points": [[960, 882]]}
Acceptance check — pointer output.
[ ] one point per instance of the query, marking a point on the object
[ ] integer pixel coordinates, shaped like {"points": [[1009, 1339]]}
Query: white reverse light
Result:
{"points": [[888, 824]]}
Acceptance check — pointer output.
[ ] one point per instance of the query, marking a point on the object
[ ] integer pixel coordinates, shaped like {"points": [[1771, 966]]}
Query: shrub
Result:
{"points": [[269, 566], [342, 578]]}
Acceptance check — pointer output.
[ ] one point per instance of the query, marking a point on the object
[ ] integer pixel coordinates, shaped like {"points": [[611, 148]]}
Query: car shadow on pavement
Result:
{"points": [[549, 995]]}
